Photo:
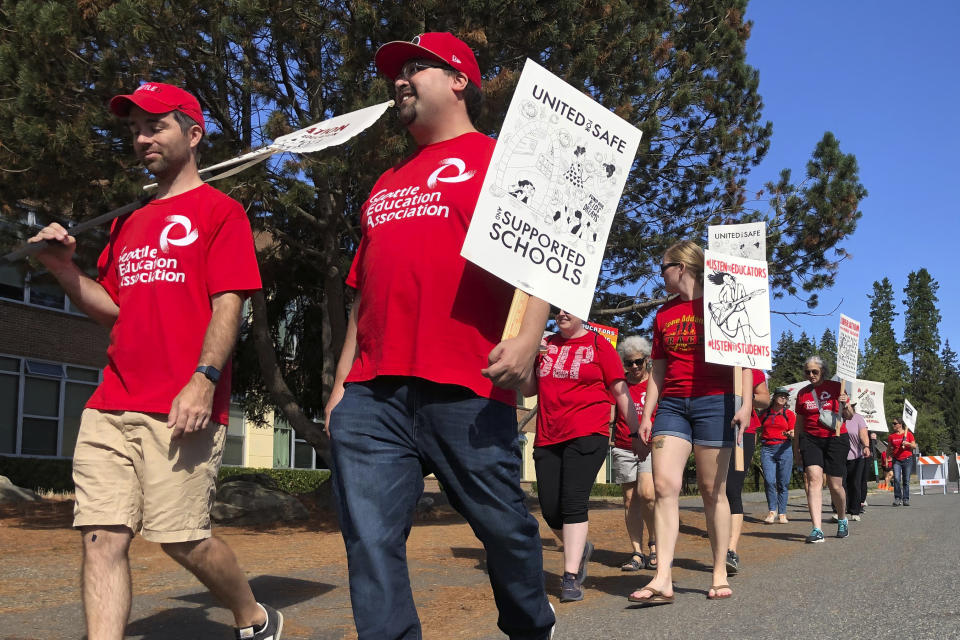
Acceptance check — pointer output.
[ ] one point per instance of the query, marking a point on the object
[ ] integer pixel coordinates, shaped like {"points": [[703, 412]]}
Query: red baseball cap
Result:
{"points": [[157, 97], [440, 46]]}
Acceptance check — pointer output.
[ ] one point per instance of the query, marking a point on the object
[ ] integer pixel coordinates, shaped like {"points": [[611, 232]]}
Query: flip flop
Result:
{"points": [[634, 564], [716, 592], [656, 597]]}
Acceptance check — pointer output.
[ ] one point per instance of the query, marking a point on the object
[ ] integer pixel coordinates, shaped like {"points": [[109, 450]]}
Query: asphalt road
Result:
{"points": [[896, 576]]}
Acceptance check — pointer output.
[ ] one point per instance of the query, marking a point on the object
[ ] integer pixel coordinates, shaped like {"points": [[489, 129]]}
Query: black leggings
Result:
{"points": [[735, 478], [565, 475], [855, 472]]}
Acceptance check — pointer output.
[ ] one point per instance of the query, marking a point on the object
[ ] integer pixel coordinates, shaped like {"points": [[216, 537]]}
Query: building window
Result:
{"points": [[40, 406], [233, 447], [289, 451]]}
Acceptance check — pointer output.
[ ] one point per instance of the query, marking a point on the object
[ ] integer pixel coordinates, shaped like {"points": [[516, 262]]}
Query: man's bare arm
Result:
{"points": [[191, 409], [347, 355], [85, 292], [512, 361]]}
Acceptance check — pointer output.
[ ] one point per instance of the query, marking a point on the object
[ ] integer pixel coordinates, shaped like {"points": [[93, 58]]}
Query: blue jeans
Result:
{"points": [[386, 435], [777, 463], [901, 489]]}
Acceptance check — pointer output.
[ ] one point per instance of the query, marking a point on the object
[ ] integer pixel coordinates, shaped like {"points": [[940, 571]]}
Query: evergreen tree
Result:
{"points": [[950, 396], [262, 68], [828, 349], [881, 358], [921, 339]]}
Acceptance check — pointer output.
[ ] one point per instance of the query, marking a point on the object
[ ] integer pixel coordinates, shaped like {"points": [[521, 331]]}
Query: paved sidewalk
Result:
{"points": [[894, 577]]}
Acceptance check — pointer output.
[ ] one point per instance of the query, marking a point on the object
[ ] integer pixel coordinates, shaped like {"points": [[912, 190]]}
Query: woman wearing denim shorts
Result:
{"points": [[695, 411]]}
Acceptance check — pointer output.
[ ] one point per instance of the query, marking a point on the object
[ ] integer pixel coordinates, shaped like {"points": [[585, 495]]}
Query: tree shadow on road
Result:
{"points": [[194, 622], [776, 535]]}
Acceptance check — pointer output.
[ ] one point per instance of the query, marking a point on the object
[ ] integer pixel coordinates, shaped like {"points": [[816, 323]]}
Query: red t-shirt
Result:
{"points": [[621, 437], [896, 442], [678, 337], [424, 310], [775, 424], [162, 264], [573, 385], [809, 413], [885, 460], [758, 379]]}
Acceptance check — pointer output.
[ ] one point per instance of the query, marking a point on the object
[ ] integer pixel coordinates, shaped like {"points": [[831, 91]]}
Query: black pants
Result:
{"points": [[565, 474], [855, 473], [735, 478]]}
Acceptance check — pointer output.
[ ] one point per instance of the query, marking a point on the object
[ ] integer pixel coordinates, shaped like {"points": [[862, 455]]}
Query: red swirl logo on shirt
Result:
{"points": [[189, 233], [456, 163]]}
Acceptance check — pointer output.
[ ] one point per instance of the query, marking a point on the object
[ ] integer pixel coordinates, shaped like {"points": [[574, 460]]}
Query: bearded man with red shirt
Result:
{"points": [[170, 287], [422, 384]]}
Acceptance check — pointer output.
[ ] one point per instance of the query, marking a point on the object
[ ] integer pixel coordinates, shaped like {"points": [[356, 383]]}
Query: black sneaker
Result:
{"points": [[733, 562], [570, 589], [584, 559], [843, 529], [897, 503], [906, 503], [270, 630], [815, 536]]}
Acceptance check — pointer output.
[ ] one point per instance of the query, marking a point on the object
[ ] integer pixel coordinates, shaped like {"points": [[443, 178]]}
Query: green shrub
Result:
{"points": [[295, 481], [39, 474], [56, 474]]}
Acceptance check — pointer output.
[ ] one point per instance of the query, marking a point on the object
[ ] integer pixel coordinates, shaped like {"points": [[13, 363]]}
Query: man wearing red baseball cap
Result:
{"points": [[423, 384], [170, 287]]}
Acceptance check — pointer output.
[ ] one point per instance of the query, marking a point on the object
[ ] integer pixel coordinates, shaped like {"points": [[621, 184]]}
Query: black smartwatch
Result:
{"points": [[212, 373]]}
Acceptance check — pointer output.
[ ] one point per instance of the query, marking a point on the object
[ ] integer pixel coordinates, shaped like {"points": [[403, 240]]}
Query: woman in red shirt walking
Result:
{"points": [[902, 445], [695, 411], [776, 454], [578, 379], [820, 447]]}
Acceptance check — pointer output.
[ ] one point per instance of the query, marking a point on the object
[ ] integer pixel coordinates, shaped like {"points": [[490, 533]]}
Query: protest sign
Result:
{"points": [[736, 311], [550, 193], [848, 348], [869, 398], [909, 416], [607, 332], [748, 240]]}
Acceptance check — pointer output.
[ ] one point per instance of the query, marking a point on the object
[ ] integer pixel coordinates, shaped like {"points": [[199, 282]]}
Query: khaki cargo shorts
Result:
{"points": [[127, 472]]}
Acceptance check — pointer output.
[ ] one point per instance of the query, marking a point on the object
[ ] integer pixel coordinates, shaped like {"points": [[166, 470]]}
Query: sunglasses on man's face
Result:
{"points": [[414, 67], [633, 363], [812, 372]]}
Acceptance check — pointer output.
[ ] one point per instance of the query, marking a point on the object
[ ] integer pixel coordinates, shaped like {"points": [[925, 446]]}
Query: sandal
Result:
{"points": [[637, 562], [716, 592], [651, 560], [656, 597]]}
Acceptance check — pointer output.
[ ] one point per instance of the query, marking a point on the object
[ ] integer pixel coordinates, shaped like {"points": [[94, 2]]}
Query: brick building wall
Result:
{"points": [[45, 334]]}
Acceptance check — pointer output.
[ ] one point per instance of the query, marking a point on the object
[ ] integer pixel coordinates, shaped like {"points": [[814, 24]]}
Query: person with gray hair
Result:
{"points": [[819, 445], [634, 476]]}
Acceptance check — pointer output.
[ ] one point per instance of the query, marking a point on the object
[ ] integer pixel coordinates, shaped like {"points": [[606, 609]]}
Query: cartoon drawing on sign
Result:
{"points": [[729, 312], [847, 350], [558, 174], [523, 191], [865, 405]]}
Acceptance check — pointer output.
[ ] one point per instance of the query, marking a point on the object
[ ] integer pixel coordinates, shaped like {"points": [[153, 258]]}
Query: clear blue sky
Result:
{"points": [[883, 77]]}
